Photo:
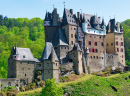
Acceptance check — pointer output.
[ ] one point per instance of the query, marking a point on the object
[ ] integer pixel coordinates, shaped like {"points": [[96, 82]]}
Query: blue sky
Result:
{"points": [[37, 8]]}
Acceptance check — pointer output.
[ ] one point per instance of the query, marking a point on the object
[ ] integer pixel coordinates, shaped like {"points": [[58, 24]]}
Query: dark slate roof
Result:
{"points": [[113, 25], [77, 47], [24, 54], [47, 52], [91, 20], [46, 17], [60, 38], [68, 18], [103, 22]]}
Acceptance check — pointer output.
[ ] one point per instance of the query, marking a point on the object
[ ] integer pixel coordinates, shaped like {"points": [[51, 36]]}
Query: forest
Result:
{"points": [[21, 32], [29, 33]]}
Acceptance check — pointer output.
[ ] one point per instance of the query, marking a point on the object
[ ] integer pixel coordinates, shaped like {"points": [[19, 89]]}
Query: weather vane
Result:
{"points": [[81, 11], [53, 6], [64, 4]]}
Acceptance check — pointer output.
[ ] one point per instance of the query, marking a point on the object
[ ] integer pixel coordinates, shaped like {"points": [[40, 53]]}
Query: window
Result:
{"points": [[94, 57], [9, 84], [117, 49], [122, 56], [102, 44], [71, 35], [111, 44], [89, 42], [97, 57], [25, 75], [92, 50], [74, 28], [102, 57], [100, 37], [121, 49], [107, 44], [23, 56], [55, 47], [91, 57], [122, 60], [95, 43], [96, 50], [56, 64], [38, 65], [90, 35], [28, 68], [117, 43], [121, 38], [47, 64], [23, 69], [72, 42], [89, 50], [121, 44]]}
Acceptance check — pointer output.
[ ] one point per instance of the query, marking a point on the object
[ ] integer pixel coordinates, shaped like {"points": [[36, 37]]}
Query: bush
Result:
{"points": [[41, 83], [51, 89]]}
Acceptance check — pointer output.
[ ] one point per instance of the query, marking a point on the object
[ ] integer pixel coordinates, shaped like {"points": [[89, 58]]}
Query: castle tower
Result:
{"points": [[51, 25], [50, 63], [115, 40], [76, 56], [70, 27], [21, 65]]}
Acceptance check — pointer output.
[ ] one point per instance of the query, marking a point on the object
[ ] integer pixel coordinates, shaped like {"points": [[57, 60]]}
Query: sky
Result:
{"points": [[118, 9]]}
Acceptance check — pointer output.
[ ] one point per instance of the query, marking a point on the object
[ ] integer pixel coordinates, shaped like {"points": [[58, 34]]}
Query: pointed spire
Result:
{"points": [[46, 16], [103, 22], [52, 55]]}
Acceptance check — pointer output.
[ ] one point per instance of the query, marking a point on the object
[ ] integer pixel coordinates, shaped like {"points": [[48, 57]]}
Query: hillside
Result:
{"points": [[126, 26], [90, 85], [22, 32]]}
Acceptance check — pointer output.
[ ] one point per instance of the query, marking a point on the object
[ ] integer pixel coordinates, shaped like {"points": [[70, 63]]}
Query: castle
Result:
{"points": [[83, 41]]}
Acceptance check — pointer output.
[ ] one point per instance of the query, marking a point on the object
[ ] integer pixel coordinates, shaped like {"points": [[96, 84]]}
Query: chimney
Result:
{"points": [[78, 15], [71, 11], [118, 26]]}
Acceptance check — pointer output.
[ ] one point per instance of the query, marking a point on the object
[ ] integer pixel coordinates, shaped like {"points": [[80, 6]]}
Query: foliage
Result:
{"points": [[22, 32], [99, 86], [90, 85], [126, 26], [51, 89]]}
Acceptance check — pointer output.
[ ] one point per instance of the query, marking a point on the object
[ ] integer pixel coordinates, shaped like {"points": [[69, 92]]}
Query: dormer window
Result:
{"points": [[24, 56]]}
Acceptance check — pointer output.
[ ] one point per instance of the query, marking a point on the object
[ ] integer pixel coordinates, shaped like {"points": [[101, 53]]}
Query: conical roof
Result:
{"points": [[103, 22], [47, 52], [46, 17], [60, 38]]}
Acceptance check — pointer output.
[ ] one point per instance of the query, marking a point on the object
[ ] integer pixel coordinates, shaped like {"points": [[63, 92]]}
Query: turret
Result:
{"points": [[84, 25], [46, 21], [94, 22], [52, 55], [103, 26], [55, 17]]}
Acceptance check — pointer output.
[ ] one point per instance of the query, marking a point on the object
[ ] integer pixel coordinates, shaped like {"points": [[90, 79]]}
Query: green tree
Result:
{"points": [[51, 88]]}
